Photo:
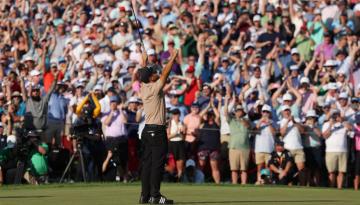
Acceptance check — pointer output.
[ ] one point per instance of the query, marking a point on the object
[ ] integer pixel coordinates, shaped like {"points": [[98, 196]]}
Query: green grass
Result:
{"points": [[120, 194]]}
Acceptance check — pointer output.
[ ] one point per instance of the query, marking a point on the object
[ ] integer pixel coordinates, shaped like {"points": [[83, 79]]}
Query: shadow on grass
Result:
{"points": [[23, 197], [249, 202]]}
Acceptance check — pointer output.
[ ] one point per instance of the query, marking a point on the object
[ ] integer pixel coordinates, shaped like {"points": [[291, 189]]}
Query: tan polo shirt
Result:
{"points": [[153, 99]]}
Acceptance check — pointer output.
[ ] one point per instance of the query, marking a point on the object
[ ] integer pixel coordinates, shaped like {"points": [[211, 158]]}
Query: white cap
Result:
{"points": [[248, 45], [190, 163], [357, 7], [83, 80], [133, 99], [287, 96], [257, 18], [88, 41], [97, 12], [332, 86], [97, 87], [151, 14], [343, 95], [28, 58], [34, 73], [88, 26], [285, 107], [294, 67], [143, 8], [11, 141], [38, 16], [305, 80], [330, 63], [150, 52], [266, 108], [75, 29], [311, 113], [79, 84], [294, 51], [233, 1]]}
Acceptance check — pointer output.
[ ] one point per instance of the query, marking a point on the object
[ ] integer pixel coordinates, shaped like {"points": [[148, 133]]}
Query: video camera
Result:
{"points": [[27, 141]]}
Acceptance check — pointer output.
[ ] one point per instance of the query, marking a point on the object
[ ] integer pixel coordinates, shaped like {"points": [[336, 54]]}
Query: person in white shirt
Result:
{"points": [[264, 140], [176, 131], [290, 131], [345, 110], [335, 132]]}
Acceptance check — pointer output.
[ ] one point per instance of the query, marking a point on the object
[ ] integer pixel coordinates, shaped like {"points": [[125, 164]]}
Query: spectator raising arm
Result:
{"points": [[166, 72]]}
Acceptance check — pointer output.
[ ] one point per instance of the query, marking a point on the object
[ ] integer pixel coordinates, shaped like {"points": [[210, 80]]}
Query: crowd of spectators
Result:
{"points": [[263, 91]]}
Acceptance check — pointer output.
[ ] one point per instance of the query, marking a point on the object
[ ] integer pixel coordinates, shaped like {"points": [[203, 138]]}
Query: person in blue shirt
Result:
{"points": [[56, 115]]}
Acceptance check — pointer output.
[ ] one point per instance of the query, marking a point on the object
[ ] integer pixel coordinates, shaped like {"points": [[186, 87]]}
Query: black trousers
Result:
{"points": [[155, 148]]}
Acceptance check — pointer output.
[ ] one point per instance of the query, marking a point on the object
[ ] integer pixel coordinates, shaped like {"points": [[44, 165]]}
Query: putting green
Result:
{"points": [[122, 194]]}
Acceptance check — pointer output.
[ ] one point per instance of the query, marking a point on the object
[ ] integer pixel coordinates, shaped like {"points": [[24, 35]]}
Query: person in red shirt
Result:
{"points": [[192, 86], [48, 74]]}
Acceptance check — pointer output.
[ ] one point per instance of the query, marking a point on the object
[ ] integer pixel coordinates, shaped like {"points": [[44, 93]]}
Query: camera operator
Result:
{"points": [[116, 140], [8, 161], [37, 159], [86, 130]]}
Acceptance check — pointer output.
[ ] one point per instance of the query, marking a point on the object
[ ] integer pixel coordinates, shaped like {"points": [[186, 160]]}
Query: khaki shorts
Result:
{"points": [[336, 161], [262, 157], [298, 155], [225, 138], [239, 159]]}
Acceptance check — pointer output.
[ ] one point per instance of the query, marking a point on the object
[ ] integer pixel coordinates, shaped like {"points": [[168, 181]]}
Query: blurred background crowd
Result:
{"points": [[263, 91]]}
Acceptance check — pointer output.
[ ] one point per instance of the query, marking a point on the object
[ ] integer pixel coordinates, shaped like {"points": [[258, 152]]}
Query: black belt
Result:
{"points": [[155, 126]]}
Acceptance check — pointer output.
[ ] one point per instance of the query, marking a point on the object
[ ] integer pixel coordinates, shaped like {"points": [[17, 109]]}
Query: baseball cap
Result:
{"points": [[311, 113], [28, 58], [305, 80], [151, 14], [343, 95], [287, 96], [114, 99], [190, 163], [36, 87], [285, 107], [79, 84], [190, 69], [75, 29], [266, 108], [279, 142], [97, 87], [53, 64], [88, 42], [294, 51], [38, 16], [143, 8], [334, 111], [249, 45], [133, 99], [225, 58], [330, 63], [175, 111], [16, 94], [151, 52], [195, 104], [294, 67], [239, 107], [332, 86], [256, 18], [11, 141], [34, 73]]}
